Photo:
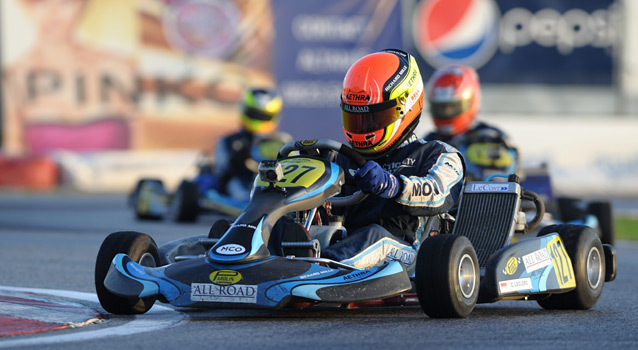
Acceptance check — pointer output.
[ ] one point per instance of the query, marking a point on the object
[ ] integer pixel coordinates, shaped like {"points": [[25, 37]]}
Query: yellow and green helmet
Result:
{"points": [[260, 111]]}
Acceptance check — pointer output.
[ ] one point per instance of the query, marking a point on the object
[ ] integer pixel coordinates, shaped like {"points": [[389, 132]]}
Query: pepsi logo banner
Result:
{"points": [[453, 31], [544, 41]]}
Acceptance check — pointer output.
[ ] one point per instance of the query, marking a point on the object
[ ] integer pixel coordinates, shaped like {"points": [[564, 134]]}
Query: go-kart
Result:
{"points": [[151, 200], [564, 267], [596, 214]]}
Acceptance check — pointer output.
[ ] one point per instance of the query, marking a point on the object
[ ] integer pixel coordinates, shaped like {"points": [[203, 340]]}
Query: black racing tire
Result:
{"points": [[135, 195], [286, 230], [184, 205], [219, 228], [603, 212], [143, 250], [447, 276], [588, 260]]}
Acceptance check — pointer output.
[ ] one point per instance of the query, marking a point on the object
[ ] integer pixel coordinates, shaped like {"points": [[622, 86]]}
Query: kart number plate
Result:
{"points": [[236, 293], [299, 172]]}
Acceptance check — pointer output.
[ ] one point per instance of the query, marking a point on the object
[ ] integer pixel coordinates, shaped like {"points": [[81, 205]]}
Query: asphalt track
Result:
{"points": [[48, 245]]}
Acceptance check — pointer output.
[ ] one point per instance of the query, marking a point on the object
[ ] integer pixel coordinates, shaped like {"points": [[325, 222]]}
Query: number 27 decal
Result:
{"points": [[294, 169]]}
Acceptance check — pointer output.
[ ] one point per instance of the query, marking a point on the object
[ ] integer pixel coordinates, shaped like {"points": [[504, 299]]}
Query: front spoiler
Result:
{"points": [[273, 282]]}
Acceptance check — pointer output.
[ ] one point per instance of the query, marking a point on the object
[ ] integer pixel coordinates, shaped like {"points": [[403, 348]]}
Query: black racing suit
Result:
{"points": [[237, 157], [431, 178]]}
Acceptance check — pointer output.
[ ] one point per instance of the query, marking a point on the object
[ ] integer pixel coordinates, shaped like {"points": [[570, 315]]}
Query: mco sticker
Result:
{"points": [[230, 249]]}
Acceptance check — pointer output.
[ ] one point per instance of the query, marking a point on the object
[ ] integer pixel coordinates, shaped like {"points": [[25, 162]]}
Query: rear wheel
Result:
{"points": [[184, 206], [447, 276], [143, 250], [603, 212], [588, 260]]}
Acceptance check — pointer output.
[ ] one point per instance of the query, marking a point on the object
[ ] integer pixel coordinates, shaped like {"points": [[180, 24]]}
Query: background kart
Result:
{"points": [[564, 267], [151, 200], [576, 211], [486, 157]]}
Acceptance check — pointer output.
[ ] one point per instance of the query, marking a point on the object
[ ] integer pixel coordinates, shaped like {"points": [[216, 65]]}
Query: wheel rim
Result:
{"points": [[467, 276], [594, 267], [147, 260]]}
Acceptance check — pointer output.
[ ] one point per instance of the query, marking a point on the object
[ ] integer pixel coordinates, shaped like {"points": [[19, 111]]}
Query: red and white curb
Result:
{"points": [[31, 310]]}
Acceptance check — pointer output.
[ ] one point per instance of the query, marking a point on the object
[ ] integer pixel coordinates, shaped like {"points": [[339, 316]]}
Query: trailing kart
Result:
{"points": [[487, 156], [564, 267], [151, 200], [576, 211]]}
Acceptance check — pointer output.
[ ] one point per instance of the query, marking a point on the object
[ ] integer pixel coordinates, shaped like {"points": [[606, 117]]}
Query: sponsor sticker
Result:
{"points": [[515, 285], [512, 266], [236, 293], [489, 188], [356, 275], [308, 142], [225, 277], [536, 260], [230, 249]]}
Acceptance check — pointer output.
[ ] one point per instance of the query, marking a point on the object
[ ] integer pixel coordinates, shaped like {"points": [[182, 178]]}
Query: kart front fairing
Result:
{"points": [[272, 282], [239, 270], [534, 266]]}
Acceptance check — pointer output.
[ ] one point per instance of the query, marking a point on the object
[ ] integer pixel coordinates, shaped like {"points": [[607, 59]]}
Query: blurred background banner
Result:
{"points": [[105, 84], [520, 42], [89, 75], [316, 42]]}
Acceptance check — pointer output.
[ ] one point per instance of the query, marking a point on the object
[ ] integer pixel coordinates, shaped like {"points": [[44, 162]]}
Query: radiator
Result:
{"points": [[486, 215]]}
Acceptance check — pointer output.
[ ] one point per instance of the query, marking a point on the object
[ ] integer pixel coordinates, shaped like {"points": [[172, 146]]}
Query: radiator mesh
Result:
{"points": [[486, 219]]}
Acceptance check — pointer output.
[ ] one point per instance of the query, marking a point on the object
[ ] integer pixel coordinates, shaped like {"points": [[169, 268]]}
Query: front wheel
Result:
{"points": [[148, 195], [447, 276], [143, 250], [588, 260]]}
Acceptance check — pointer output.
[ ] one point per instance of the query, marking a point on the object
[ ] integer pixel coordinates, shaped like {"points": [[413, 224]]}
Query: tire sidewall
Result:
{"points": [[135, 245], [437, 281]]}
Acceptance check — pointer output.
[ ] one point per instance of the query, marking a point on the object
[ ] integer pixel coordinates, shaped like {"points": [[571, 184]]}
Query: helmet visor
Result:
{"points": [[368, 118], [254, 113], [448, 110]]}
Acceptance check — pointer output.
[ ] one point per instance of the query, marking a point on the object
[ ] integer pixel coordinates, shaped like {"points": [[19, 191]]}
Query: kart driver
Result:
{"points": [[238, 155], [454, 94], [407, 178]]}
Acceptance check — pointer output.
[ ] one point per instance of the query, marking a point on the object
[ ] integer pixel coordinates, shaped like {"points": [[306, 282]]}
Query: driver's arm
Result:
{"points": [[438, 188]]}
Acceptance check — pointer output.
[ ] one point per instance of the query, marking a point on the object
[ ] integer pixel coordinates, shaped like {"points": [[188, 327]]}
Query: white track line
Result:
{"points": [[158, 317]]}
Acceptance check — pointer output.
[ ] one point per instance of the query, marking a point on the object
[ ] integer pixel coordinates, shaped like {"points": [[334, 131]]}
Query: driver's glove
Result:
{"points": [[371, 178]]}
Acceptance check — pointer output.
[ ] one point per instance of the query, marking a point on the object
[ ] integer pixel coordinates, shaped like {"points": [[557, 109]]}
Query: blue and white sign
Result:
{"points": [[316, 42]]}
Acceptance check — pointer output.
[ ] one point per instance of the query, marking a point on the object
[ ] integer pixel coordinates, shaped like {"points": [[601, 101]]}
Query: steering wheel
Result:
{"points": [[348, 152]]}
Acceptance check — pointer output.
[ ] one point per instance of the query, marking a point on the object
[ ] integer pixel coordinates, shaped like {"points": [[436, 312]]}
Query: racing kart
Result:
{"points": [[564, 267], [597, 214], [151, 200]]}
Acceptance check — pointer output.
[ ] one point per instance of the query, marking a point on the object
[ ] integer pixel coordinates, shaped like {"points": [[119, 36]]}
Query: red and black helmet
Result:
{"points": [[381, 101], [454, 94]]}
